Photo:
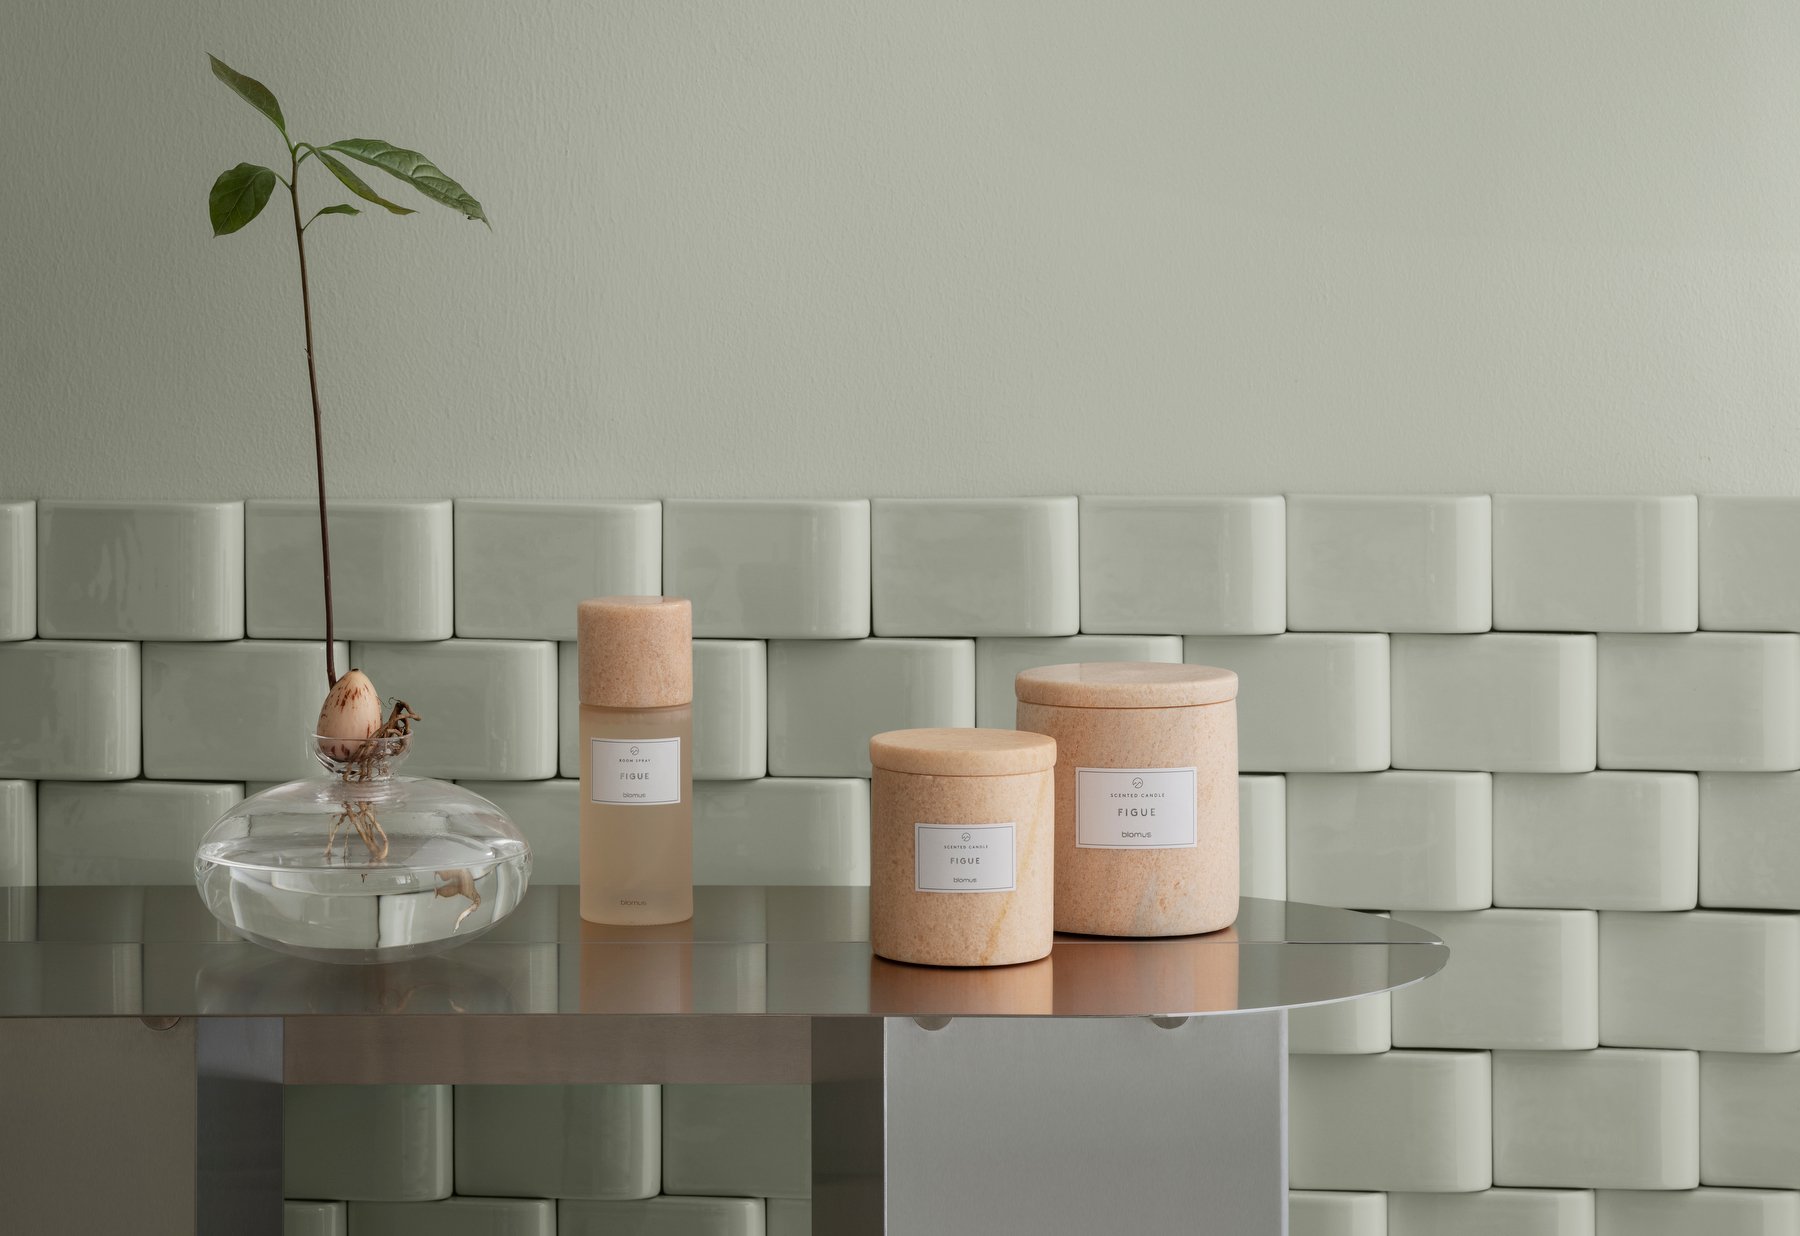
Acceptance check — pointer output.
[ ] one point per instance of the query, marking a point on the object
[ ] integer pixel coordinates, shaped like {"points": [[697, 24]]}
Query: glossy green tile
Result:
{"points": [[1313, 1212], [487, 707], [18, 832], [1262, 836], [788, 1217], [240, 711], [18, 570], [731, 709], [521, 567], [1747, 576], [456, 1216], [1705, 702], [662, 1216], [1395, 839], [1493, 1212], [1388, 562], [975, 566], [1595, 1119], [770, 568], [559, 1141], [70, 709], [1526, 980], [1537, 696], [125, 832], [1306, 702], [368, 1143], [548, 813], [313, 1219], [140, 570], [1750, 1119], [1696, 1212], [1621, 562], [782, 830], [1711, 980], [1344, 1028], [738, 1140], [391, 567], [1413, 1120], [828, 698], [1605, 840], [1194, 566], [1749, 849]]}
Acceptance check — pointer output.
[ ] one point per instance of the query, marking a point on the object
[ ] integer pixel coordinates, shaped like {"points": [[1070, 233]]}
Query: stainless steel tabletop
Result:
{"points": [[155, 951]]}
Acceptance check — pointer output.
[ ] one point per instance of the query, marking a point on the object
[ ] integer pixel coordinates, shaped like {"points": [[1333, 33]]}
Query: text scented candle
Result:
{"points": [[1146, 794], [961, 846]]}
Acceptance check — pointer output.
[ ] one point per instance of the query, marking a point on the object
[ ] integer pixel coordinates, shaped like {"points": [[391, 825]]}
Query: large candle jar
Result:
{"points": [[1146, 794], [961, 844]]}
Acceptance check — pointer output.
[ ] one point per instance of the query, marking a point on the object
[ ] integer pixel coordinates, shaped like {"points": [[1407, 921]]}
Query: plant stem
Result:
{"points": [[312, 377]]}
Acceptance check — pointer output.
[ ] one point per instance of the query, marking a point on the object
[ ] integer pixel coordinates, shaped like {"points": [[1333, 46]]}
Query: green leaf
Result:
{"points": [[238, 196], [357, 185], [415, 169], [342, 208], [251, 91]]}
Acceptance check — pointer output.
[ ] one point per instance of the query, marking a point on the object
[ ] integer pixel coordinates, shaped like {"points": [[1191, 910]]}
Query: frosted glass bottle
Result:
{"points": [[637, 781]]}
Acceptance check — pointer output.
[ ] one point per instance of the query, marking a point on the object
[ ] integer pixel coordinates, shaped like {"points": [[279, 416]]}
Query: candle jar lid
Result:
{"points": [[1126, 684], [962, 752]]}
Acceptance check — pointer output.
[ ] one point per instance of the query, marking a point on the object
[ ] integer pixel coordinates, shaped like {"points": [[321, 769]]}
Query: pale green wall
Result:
{"points": [[917, 247]]}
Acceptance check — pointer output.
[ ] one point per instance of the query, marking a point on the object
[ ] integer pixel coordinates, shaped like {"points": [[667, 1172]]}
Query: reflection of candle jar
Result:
{"points": [[1026, 990], [1146, 794], [1100, 978], [961, 845], [636, 969]]}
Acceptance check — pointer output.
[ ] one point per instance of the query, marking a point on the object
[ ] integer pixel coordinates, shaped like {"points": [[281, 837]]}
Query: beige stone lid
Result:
{"points": [[962, 752], [636, 652], [1125, 684]]}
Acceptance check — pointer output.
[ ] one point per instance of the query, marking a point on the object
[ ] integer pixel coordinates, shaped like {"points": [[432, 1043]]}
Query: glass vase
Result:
{"points": [[362, 866]]}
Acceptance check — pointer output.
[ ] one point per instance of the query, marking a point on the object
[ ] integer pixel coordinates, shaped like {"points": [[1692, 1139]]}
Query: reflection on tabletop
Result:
{"points": [[100, 951]]}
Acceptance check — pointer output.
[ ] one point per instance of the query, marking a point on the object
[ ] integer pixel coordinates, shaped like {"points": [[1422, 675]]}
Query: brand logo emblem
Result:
{"points": [[965, 836], [1137, 783], [634, 751]]}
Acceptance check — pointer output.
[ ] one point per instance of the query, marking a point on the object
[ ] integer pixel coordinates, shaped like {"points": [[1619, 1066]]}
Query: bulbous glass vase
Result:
{"points": [[362, 866]]}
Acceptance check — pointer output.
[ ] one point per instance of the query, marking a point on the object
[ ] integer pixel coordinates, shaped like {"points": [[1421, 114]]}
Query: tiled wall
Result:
{"points": [[541, 1160], [1564, 733]]}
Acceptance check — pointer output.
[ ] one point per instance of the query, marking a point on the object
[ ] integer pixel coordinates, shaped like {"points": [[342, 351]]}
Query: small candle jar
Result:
{"points": [[961, 844], [1146, 794]]}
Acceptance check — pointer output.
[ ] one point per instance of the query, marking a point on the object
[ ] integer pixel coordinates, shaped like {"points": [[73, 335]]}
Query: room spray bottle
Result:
{"points": [[637, 783]]}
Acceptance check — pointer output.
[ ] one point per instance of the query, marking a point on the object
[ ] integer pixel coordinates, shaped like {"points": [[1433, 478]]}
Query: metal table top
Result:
{"points": [[154, 951]]}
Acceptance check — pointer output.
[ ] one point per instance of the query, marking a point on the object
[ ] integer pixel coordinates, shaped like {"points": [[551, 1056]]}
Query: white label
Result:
{"points": [[1135, 808], [636, 772], [963, 858]]}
